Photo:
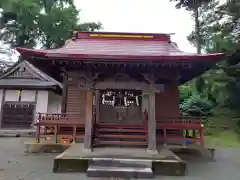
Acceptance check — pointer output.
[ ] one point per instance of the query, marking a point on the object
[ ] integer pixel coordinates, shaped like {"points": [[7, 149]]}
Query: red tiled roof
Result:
{"points": [[85, 47]]}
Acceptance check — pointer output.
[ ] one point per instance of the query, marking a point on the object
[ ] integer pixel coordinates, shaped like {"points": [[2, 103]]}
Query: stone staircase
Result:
{"points": [[120, 168]]}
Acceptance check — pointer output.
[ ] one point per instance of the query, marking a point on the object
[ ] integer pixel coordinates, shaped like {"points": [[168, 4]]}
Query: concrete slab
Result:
{"points": [[45, 147], [193, 150], [161, 162], [77, 151]]}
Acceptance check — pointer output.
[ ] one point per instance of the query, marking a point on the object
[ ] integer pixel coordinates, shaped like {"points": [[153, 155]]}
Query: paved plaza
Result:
{"points": [[16, 165]]}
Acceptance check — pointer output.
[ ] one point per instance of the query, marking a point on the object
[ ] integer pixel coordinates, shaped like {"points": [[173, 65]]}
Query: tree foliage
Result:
{"points": [[31, 23], [194, 6], [220, 87], [46, 22], [190, 5]]}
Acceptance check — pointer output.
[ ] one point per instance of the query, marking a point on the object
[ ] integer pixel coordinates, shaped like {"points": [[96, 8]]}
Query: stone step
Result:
{"points": [[120, 162], [120, 168], [120, 172]]}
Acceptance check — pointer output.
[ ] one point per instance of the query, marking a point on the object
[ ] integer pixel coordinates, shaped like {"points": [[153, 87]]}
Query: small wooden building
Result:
{"points": [[123, 87], [25, 90]]}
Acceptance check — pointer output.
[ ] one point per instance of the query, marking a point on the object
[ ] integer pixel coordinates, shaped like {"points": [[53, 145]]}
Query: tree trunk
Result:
{"points": [[197, 30]]}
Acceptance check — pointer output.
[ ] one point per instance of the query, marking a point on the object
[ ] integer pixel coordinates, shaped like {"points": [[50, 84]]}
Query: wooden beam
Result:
{"points": [[152, 144], [127, 85], [89, 121], [64, 94]]}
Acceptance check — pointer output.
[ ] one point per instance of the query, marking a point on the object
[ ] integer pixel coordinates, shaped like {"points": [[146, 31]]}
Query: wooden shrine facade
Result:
{"points": [[121, 89], [25, 90]]}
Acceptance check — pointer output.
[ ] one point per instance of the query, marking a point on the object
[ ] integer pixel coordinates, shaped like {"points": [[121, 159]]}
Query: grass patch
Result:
{"points": [[221, 138]]}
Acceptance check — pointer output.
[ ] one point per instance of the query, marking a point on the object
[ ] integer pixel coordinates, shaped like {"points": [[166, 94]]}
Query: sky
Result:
{"points": [[144, 16]]}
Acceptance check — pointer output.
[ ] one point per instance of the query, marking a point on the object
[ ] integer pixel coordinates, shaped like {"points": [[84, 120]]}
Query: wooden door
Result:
{"points": [[116, 111], [18, 115]]}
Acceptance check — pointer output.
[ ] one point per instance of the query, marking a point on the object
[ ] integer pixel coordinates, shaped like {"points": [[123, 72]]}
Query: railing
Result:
{"points": [[59, 124], [167, 130], [180, 120], [51, 116], [179, 128]]}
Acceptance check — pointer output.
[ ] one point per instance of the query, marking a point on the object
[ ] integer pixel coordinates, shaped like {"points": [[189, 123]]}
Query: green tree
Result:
{"points": [[193, 5], [46, 22], [219, 29]]}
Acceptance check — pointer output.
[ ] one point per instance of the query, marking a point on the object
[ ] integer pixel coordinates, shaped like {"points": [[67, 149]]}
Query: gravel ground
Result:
{"points": [[15, 165]]}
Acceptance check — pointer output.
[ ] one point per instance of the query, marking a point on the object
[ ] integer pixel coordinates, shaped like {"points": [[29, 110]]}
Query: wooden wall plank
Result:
{"points": [[167, 103], [76, 103]]}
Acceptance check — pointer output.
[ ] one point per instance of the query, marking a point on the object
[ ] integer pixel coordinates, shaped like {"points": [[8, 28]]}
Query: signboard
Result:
{"points": [[19, 91]]}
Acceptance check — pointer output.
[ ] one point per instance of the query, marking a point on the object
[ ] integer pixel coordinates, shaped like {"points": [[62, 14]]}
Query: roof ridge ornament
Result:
{"points": [[75, 35], [121, 36]]}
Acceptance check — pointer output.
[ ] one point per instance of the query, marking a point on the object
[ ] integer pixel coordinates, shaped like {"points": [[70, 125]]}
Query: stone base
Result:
{"points": [[86, 150], [152, 152], [212, 152], [194, 150], [123, 162], [70, 165], [170, 168], [45, 148]]}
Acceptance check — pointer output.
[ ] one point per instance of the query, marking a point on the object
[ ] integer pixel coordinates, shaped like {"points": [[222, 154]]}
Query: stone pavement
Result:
{"points": [[17, 132], [20, 166]]}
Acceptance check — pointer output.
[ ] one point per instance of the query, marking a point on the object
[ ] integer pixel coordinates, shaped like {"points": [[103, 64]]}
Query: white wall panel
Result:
{"points": [[11, 95], [54, 103], [42, 102], [28, 96]]}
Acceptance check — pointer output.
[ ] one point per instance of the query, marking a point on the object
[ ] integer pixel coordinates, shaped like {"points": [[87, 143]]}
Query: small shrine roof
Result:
{"points": [[23, 74], [120, 47]]}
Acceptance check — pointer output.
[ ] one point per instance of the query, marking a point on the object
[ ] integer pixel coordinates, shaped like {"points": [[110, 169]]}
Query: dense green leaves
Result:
{"points": [[218, 88], [190, 4], [196, 105], [57, 26], [44, 22]]}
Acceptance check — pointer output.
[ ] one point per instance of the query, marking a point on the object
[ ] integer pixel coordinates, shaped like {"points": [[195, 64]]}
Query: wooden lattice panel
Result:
{"points": [[17, 115]]}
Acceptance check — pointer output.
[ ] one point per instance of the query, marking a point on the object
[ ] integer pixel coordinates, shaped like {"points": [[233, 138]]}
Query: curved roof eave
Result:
{"points": [[106, 57]]}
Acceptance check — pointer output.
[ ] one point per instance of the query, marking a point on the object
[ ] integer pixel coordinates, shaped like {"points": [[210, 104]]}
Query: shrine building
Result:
{"points": [[25, 90], [121, 88]]}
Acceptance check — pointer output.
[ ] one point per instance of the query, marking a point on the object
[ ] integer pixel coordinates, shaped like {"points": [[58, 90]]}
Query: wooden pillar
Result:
{"points": [[64, 94], [97, 105], [145, 105], [152, 143], [88, 122], [194, 133], [1, 108], [201, 132]]}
